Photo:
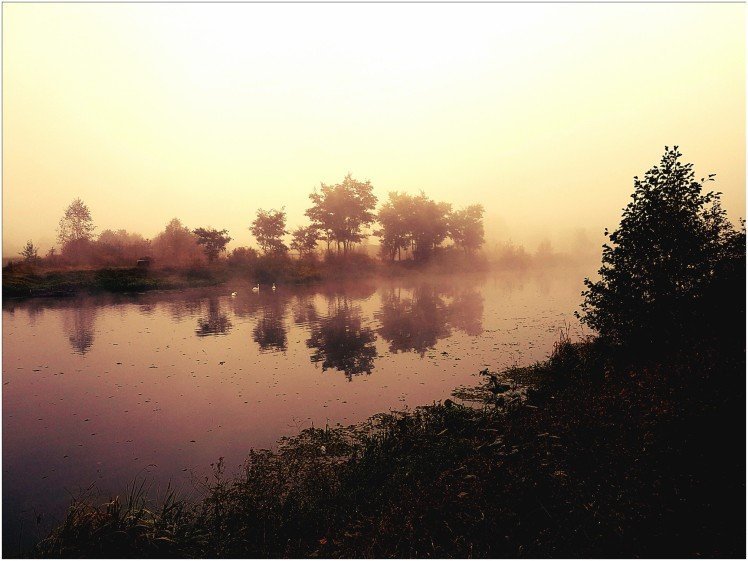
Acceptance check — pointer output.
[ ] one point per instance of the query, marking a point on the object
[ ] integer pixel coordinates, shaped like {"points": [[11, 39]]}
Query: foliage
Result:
{"points": [[419, 225], [213, 241], [75, 225], [176, 246], [243, 257], [466, 228], [268, 229], [394, 217], [429, 225], [670, 247], [305, 239], [120, 247], [342, 211], [30, 252]]}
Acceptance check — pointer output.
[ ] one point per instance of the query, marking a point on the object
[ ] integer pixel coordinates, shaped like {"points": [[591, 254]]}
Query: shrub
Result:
{"points": [[673, 245]]}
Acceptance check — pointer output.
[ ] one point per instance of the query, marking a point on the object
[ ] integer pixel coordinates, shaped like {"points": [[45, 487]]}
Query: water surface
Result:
{"points": [[99, 390]]}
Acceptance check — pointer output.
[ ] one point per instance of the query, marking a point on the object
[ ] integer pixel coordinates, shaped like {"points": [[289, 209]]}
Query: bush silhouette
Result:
{"points": [[660, 271]]}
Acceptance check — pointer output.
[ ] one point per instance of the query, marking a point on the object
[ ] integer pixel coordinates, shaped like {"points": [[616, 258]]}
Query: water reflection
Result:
{"points": [[466, 312], [411, 318], [415, 320], [183, 308], [216, 322], [340, 341], [270, 331], [303, 309], [78, 323]]}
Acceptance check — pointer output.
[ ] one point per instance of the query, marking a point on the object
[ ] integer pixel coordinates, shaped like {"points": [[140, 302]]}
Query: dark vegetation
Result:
{"points": [[629, 444], [24, 282], [412, 232]]}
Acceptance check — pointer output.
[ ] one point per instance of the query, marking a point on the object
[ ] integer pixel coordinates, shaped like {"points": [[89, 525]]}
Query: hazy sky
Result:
{"points": [[543, 113]]}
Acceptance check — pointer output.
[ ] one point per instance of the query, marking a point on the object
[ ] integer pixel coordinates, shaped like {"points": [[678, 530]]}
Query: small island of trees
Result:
{"points": [[412, 231]]}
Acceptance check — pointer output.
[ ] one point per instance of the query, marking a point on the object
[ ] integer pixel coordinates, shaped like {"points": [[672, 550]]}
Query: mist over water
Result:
{"points": [[99, 390]]}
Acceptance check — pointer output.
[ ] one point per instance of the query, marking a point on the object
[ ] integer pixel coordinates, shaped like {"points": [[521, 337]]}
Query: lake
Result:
{"points": [[99, 390]]}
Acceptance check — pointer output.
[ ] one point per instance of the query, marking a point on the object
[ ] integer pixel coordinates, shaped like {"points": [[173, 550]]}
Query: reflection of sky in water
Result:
{"points": [[100, 389]]}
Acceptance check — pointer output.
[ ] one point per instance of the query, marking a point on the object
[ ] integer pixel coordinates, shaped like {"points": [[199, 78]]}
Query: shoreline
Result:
{"points": [[561, 458]]}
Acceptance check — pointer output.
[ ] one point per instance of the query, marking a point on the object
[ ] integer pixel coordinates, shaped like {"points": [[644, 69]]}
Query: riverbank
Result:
{"points": [[24, 281], [583, 455], [68, 283]]}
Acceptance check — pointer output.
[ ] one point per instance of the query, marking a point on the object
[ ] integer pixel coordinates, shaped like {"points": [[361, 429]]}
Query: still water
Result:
{"points": [[100, 390]]}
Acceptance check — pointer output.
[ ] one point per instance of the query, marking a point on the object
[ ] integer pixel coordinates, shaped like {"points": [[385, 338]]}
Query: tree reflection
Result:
{"points": [[466, 312], [183, 308], [413, 323], [216, 322], [78, 324], [341, 342], [303, 309], [417, 321], [270, 331]]}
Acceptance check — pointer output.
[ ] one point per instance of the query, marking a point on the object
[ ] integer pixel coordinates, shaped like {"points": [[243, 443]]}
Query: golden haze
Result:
{"points": [[208, 112]]}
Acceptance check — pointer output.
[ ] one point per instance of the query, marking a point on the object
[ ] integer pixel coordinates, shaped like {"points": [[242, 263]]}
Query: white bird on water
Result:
{"points": [[256, 288], [273, 287], [233, 294]]}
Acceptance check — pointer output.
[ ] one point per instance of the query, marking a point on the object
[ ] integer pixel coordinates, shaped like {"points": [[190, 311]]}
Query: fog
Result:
{"points": [[542, 114]]}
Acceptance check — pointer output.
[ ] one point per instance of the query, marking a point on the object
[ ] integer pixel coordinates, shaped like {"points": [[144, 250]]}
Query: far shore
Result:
{"points": [[23, 281]]}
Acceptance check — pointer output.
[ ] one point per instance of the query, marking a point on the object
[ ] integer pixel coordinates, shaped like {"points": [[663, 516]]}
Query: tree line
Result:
{"points": [[341, 216]]}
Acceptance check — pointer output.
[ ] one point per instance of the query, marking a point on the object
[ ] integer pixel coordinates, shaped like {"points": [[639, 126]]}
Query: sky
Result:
{"points": [[207, 112]]}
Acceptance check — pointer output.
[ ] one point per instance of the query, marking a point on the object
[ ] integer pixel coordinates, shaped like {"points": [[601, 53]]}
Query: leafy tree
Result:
{"points": [[305, 240], [213, 241], [118, 247], [412, 222], [243, 257], [177, 246], [30, 252], [394, 217], [673, 243], [75, 233], [268, 229], [76, 224], [466, 228], [429, 225], [342, 211]]}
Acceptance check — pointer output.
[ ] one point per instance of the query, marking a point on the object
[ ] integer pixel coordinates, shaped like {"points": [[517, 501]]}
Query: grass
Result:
{"points": [[66, 283], [583, 455]]}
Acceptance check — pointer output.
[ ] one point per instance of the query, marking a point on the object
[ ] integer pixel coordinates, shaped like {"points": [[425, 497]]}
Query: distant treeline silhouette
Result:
{"points": [[341, 217]]}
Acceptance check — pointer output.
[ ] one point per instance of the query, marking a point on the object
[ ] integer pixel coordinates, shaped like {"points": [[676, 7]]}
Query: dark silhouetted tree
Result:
{"points": [[305, 239], [268, 229], [30, 252], [466, 228], [213, 241], [672, 244], [342, 212]]}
